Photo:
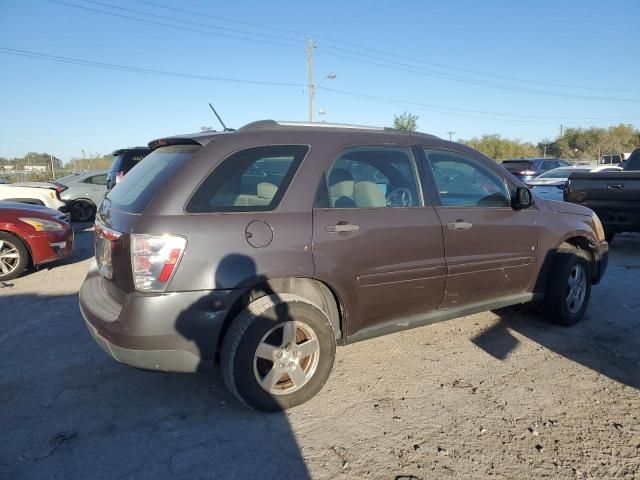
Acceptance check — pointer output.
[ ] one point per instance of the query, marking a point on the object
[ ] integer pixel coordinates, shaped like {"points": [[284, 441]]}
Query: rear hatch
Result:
{"points": [[122, 209], [519, 167]]}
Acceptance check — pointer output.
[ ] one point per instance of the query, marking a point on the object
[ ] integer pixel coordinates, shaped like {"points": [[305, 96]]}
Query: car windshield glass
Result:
{"points": [[67, 177], [141, 184]]}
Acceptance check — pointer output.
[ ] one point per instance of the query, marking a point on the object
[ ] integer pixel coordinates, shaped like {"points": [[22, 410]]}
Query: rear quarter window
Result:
{"points": [[140, 185], [254, 179]]}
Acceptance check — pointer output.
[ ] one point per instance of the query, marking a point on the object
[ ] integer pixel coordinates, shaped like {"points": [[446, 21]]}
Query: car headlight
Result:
{"points": [[597, 226], [42, 225]]}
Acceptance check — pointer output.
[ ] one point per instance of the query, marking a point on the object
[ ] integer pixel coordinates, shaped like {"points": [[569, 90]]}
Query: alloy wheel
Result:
{"points": [[576, 288], [286, 358]]}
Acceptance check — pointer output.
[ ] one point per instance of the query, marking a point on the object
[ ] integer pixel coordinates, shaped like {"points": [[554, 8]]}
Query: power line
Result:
{"points": [[178, 27], [215, 17], [456, 78], [385, 53], [200, 24], [466, 70], [423, 106], [112, 66], [460, 111]]}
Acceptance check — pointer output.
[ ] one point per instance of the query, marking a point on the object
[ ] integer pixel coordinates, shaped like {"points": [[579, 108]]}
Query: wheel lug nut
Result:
{"points": [[291, 364], [279, 354]]}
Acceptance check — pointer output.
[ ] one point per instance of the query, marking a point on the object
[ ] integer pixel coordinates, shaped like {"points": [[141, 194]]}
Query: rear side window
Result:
{"points": [[254, 179], [141, 184]]}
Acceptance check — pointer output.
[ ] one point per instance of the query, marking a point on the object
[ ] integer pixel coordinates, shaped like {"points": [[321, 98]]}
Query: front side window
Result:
{"points": [[373, 177], [465, 182], [250, 180]]}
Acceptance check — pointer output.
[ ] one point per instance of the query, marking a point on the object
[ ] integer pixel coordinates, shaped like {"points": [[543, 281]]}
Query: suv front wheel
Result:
{"points": [[278, 352], [569, 287]]}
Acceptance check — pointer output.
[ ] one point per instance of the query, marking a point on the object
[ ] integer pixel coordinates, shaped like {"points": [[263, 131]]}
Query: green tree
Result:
{"points": [[499, 148], [406, 121]]}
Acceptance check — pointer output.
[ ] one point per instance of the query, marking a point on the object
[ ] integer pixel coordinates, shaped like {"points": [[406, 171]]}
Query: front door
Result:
{"points": [[490, 247], [374, 240]]}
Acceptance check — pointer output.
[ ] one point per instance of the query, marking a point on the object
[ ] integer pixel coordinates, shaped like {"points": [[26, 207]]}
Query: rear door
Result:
{"points": [[490, 247], [374, 239]]}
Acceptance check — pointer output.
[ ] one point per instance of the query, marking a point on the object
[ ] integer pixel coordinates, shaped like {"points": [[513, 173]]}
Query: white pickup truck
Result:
{"points": [[46, 194]]}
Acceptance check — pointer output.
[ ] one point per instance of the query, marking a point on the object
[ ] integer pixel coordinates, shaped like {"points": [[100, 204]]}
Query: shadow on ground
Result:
{"points": [[608, 338], [68, 411]]}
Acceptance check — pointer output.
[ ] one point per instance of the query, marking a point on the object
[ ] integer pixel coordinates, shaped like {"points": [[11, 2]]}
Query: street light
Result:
{"points": [[312, 92]]}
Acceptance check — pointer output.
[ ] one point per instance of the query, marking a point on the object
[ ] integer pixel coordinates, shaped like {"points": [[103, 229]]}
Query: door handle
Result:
{"points": [[615, 186], [459, 225], [342, 228]]}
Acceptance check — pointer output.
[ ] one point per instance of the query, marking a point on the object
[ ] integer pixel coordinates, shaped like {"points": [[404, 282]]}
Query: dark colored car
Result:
{"points": [[31, 235], [525, 169], [614, 196], [125, 159], [262, 249]]}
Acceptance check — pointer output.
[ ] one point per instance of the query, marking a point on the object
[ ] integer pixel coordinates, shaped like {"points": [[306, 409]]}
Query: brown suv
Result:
{"points": [[264, 248]]}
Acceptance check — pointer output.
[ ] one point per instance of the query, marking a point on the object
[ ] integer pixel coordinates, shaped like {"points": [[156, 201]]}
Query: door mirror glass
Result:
{"points": [[523, 198]]}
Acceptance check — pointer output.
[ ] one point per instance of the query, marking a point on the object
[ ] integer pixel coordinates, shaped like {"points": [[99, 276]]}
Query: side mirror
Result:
{"points": [[523, 199]]}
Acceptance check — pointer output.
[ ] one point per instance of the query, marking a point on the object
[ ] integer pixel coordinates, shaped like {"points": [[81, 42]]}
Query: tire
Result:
{"points": [[561, 308], [268, 323], [14, 256], [82, 210], [609, 236]]}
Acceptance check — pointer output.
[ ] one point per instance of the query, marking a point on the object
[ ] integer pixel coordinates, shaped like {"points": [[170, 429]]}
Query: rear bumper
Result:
{"points": [[176, 332]]}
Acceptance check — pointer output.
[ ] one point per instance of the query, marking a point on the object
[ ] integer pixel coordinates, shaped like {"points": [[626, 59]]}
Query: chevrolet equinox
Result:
{"points": [[261, 249]]}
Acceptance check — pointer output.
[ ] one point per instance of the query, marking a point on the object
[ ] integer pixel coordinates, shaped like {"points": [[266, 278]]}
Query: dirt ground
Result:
{"points": [[501, 395]]}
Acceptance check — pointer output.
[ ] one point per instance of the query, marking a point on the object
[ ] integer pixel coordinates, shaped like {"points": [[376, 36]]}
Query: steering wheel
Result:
{"points": [[400, 197]]}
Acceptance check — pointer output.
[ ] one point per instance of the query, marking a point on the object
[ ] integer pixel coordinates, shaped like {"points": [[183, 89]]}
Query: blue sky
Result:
{"points": [[440, 52]]}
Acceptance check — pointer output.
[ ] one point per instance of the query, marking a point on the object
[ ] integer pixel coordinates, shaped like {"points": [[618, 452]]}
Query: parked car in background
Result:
{"points": [[614, 196], [125, 159], [31, 235], [550, 185], [3, 181], [84, 193], [525, 169], [34, 193], [264, 248], [606, 168]]}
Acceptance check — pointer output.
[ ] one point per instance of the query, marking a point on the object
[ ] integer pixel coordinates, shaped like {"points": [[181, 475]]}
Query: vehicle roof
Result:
{"points": [[203, 138], [528, 159]]}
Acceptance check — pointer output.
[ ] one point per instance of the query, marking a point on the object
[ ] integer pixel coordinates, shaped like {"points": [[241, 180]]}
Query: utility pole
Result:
{"points": [[451, 134], [310, 47], [561, 129]]}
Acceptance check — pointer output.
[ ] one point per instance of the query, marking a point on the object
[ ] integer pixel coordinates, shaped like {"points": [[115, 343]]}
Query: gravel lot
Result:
{"points": [[503, 395]]}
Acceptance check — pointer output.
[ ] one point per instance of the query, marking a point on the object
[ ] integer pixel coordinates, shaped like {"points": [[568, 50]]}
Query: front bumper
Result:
{"points": [[601, 261], [176, 332], [50, 246]]}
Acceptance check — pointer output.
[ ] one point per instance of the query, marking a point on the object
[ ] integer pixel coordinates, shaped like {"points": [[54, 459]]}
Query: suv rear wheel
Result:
{"points": [[278, 352], [569, 286]]}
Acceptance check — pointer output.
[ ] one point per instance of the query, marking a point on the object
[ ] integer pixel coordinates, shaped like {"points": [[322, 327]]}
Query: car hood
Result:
{"points": [[16, 208], [565, 207]]}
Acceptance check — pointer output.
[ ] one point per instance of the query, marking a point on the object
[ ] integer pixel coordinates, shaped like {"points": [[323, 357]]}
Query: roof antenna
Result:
{"points": [[224, 127]]}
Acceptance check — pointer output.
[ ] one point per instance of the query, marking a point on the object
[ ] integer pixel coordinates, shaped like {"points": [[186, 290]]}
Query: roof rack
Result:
{"points": [[271, 124]]}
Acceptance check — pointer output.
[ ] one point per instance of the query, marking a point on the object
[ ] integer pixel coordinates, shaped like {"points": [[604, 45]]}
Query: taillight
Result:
{"points": [[528, 172], [119, 177], [59, 187], [154, 259]]}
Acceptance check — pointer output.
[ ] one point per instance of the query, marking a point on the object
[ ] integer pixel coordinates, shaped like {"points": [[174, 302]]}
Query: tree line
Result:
{"points": [[573, 144]]}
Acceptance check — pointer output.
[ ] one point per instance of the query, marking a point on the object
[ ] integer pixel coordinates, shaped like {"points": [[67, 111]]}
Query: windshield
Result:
{"points": [[141, 184], [562, 172]]}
